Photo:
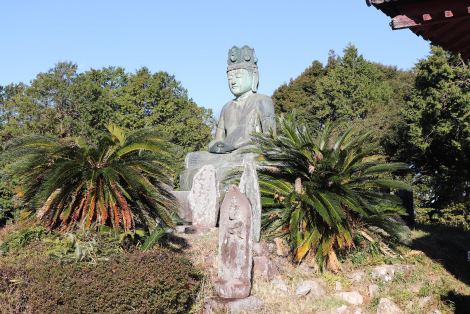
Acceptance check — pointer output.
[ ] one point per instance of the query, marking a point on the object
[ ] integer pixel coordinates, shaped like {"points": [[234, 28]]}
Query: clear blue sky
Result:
{"points": [[190, 39]]}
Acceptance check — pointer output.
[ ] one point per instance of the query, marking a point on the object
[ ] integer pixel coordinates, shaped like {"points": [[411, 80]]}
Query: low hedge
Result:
{"points": [[152, 282]]}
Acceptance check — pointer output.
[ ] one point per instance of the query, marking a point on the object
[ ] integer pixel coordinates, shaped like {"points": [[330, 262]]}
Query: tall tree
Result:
{"points": [[367, 94], [65, 103], [439, 128]]}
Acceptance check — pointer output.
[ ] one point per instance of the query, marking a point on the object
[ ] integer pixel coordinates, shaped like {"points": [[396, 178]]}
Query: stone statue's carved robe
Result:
{"points": [[238, 120]]}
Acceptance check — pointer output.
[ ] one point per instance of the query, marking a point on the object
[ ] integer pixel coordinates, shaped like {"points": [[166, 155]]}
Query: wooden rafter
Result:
{"points": [[443, 22]]}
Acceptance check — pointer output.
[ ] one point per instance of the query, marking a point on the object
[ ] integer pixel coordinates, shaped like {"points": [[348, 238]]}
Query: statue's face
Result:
{"points": [[239, 81]]}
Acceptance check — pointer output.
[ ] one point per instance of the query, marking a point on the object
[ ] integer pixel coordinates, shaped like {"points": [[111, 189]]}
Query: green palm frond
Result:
{"points": [[340, 187], [117, 183]]}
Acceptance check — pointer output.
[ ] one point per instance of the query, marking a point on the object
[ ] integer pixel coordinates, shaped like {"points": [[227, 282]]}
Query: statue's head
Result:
{"points": [[242, 71]]}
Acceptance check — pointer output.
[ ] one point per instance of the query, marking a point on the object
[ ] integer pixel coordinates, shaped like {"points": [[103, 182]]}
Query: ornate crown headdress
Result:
{"points": [[241, 58]]}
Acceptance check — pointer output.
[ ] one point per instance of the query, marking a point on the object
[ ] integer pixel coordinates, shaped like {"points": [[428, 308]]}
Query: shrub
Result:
{"points": [[146, 282]]}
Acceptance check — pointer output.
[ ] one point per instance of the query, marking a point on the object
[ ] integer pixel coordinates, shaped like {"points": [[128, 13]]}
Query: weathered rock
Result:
{"points": [[265, 266], [280, 250], [388, 307], [423, 302], [305, 267], [212, 261], [263, 248], [181, 229], [353, 297], [250, 187], [409, 307], [303, 288], [415, 288], [435, 311], [235, 246], [338, 286], [342, 310], [280, 285], [387, 273], [203, 198], [185, 210], [314, 287], [356, 276], [217, 304], [373, 290]]}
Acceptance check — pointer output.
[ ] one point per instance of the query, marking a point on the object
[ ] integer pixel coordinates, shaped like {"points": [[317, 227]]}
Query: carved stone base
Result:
{"points": [[234, 288], [212, 304], [223, 164]]}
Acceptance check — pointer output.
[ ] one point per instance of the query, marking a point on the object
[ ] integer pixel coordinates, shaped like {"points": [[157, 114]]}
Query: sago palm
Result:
{"points": [[319, 188], [116, 183]]}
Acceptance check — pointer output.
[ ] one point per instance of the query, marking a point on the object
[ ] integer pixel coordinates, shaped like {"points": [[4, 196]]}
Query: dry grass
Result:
{"points": [[428, 280]]}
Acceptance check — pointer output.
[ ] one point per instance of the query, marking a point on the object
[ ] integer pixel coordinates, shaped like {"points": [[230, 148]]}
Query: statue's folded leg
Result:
{"points": [[223, 163]]}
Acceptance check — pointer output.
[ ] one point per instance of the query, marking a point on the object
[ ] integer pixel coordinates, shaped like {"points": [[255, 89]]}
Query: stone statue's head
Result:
{"points": [[242, 71]]}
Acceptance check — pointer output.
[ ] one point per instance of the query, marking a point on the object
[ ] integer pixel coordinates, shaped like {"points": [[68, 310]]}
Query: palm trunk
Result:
{"points": [[332, 262]]}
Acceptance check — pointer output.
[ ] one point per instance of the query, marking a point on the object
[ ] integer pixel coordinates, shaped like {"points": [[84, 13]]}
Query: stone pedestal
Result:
{"points": [[250, 186], [223, 163], [217, 304], [203, 198], [235, 246]]}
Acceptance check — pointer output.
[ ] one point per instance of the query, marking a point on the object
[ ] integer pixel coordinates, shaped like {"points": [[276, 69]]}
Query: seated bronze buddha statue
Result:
{"points": [[249, 112]]}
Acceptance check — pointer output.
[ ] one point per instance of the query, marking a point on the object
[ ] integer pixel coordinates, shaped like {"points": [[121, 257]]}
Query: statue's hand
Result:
{"points": [[221, 148]]}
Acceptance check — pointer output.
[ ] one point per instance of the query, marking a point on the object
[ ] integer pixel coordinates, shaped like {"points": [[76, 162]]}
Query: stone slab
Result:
{"points": [[249, 185], [203, 198]]}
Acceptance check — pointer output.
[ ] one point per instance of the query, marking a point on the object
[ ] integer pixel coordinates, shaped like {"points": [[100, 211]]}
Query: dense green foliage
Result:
{"points": [[321, 189], [420, 117], [153, 282], [116, 183], [351, 88], [438, 116], [95, 270], [65, 103]]}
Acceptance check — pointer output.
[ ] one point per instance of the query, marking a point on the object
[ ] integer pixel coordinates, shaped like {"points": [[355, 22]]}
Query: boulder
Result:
{"points": [[373, 290], [263, 248], [265, 266], [388, 307], [338, 286], [353, 297], [356, 276], [280, 249], [387, 272], [314, 287], [423, 302], [280, 285]]}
